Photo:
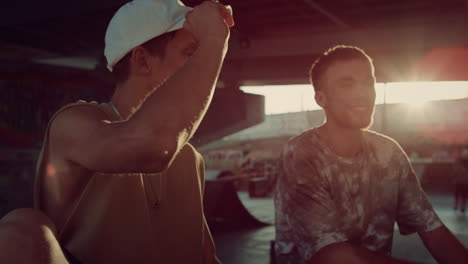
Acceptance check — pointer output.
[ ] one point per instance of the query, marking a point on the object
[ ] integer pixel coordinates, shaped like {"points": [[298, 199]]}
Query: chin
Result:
{"points": [[352, 122], [367, 125], [360, 124]]}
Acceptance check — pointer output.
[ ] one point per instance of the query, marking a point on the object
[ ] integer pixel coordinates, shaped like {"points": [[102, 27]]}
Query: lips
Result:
{"points": [[361, 108]]}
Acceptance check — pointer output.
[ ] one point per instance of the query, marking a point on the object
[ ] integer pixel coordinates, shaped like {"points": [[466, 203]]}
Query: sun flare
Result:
{"points": [[296, 98]]}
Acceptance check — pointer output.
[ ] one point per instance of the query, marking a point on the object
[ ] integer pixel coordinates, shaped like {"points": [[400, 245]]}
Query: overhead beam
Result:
{"points": [[300, 40], [285, 56], [312, 4], [15, 14]]}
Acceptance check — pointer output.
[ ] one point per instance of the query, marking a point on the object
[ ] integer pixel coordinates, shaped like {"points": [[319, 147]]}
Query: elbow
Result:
{"points": [[157, 149], [161, 154], [166, 146], [164, 158]]}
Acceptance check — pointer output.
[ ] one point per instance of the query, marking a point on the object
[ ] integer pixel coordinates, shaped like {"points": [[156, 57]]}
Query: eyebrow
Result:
{"points": [[351, 79]]}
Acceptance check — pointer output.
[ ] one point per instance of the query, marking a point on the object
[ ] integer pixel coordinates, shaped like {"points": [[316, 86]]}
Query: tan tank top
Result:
{"points": [[135, 218]]}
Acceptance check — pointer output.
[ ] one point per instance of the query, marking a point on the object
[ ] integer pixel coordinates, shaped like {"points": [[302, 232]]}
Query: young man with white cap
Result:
{"points": [[119, 180]]}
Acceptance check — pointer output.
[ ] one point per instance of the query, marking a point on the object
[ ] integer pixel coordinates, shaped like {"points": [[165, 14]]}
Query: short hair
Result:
{"points": [[156, 46], [332, 55]]}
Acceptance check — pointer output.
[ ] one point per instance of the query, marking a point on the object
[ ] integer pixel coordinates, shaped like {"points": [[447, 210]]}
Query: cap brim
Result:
{"points": [[177, 26]]}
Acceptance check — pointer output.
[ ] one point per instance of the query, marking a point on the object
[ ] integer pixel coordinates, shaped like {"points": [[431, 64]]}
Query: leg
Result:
{"points": [[28, 236]]}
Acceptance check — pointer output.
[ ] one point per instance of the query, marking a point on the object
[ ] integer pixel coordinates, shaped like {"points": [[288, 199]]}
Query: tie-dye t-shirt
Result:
{"points": [[322, 198]]}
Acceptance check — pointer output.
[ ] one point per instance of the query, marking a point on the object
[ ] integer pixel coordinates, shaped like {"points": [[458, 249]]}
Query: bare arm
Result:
{"points": [[79, 135], [149, 140], [346, 252], [444, 246], [179, 105]]}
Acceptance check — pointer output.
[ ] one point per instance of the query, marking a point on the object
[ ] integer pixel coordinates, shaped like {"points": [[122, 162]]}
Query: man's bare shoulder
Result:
{"points": [[71, 123], [76, 116], [189, 154]]}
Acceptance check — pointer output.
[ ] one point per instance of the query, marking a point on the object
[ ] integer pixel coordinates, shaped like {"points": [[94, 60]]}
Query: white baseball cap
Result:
{"points": [[139, 21]]}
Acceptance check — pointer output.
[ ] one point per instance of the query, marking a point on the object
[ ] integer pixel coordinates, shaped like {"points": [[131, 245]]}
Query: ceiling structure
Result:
{"points": [[273, 41]]}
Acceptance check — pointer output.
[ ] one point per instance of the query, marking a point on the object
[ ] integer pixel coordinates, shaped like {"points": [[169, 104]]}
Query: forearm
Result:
{"points": [[444, 246], [352, 254], [192, 89], [178, 106]]}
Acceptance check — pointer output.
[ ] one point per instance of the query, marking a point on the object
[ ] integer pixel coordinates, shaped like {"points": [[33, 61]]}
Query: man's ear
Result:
{"points": [[321, 99], [139, 61]]}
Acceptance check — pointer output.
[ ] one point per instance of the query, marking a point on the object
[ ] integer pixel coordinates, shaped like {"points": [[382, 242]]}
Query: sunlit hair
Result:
{"points": [[155, 46], [334, 54]]}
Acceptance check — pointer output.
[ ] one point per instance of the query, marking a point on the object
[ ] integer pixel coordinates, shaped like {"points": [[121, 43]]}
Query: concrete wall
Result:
{"points": [[438, 122]]}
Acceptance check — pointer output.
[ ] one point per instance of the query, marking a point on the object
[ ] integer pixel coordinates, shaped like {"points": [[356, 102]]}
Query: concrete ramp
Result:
{"points": [[224, 209]]}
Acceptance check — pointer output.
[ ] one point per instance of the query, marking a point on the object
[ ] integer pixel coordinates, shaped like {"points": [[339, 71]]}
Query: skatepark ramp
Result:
{"points": [[224, 209]]}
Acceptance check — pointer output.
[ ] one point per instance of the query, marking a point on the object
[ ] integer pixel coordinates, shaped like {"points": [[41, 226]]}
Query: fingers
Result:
{"points": [[226, 12], [209, 19]]}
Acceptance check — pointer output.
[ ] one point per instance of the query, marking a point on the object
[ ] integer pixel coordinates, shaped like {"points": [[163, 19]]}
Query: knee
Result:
{"points": [[26, 235], [26, 224], [28, 219]]}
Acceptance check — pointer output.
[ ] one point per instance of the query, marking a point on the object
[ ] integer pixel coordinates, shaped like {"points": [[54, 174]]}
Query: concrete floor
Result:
{"points": [[245, 246]]}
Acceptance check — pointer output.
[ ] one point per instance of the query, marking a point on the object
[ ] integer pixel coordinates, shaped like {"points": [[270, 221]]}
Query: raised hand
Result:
{"points": [[209, 20]]}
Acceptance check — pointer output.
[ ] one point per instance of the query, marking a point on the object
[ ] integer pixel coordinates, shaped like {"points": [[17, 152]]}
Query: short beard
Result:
{"points": [[349, 125], [371, 122]]}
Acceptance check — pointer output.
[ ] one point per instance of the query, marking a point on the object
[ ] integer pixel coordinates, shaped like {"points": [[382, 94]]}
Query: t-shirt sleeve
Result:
{"points": [[311, 211], [415, 212]]}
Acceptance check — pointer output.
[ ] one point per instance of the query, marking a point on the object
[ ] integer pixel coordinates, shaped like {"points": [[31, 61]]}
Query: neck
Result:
{"points": [[127, 98], [343, 142]]}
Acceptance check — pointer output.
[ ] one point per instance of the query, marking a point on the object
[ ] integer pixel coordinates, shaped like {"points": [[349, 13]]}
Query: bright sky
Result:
{"points": [[296, 98]]}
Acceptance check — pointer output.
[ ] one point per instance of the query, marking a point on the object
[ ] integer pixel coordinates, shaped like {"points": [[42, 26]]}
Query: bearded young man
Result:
{"points": [[344, 187]]}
